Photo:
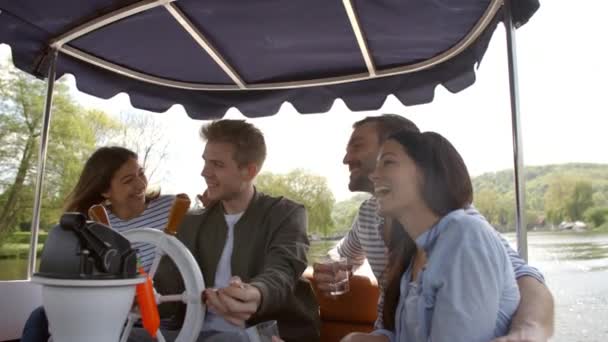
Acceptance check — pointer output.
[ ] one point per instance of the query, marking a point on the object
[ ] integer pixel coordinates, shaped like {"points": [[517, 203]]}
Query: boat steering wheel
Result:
{"points": [[188, 268]]}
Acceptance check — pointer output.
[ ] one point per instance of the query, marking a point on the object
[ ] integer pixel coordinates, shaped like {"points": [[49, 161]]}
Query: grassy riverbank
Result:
{"points": [[17, 245]]}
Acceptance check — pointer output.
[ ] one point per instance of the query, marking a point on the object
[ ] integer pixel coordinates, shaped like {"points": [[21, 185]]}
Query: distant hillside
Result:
{"points": [[539, 174], [578, 186]]}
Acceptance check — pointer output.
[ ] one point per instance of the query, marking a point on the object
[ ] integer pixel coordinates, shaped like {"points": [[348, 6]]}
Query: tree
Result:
{"points": [[580, 201], [308, 189], [567, 198], [486, 201], [596, 216], [600, 198], [552, 192], [345, 211], [20, 127], [498, 208], [555, 197], [145, 136], [72, 139]]}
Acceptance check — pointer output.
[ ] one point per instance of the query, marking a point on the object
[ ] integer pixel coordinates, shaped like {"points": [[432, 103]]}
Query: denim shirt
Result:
{"points": [[466, 292]]}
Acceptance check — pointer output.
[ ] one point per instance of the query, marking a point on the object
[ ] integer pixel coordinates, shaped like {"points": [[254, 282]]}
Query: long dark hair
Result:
{"points": [[401, 250], [446, 186], [96, 177]]}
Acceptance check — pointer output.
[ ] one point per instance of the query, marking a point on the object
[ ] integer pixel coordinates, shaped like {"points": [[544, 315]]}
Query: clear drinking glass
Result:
{"points": [[341, 269], [263, 332]]}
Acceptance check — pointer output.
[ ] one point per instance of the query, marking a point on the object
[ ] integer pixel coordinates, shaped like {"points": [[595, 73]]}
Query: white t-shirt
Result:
{"points": [[223, 274]]}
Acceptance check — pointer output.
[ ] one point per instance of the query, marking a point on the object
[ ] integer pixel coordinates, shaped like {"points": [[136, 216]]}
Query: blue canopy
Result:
{"points": [[254, 55]]}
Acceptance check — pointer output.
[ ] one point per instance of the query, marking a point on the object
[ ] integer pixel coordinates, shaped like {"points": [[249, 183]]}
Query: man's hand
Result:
{"points": [[524, 333], [236, 303], [323, 274], [361, 337], [533, 320]]}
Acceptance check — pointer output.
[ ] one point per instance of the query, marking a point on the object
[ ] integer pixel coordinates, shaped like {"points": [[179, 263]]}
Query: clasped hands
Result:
{"points": [[236, 303]]}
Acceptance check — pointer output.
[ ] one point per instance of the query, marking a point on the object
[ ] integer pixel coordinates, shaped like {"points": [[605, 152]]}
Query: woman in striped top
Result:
{"points": [[112, 176]]}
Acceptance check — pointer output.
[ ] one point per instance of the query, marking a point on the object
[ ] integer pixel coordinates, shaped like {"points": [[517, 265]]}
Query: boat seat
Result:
{"points": [[354, 311]]}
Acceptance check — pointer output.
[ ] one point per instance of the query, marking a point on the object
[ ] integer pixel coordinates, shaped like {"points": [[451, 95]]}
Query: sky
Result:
{"points": [[562, 83]]}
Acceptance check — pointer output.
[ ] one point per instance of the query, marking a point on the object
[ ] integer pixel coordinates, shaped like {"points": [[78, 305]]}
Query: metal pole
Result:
{"points": [[44, 138], [518, 156]]}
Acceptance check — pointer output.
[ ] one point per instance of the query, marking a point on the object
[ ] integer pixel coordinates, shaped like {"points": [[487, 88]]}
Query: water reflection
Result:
{"points": [[575, 266], [578, 251]]}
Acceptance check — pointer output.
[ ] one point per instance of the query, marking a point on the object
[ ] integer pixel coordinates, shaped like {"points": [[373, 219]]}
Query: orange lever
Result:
{"points": [[178, 210], [99, 214], [147, 305]]}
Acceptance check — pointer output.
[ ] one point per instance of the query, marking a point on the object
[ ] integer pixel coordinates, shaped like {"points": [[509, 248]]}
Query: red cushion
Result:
{"points": [[353, 311]]}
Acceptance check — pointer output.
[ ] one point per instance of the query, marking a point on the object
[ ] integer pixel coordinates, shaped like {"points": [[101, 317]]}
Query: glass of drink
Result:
{"points": [[341, 269], [263, 332]]}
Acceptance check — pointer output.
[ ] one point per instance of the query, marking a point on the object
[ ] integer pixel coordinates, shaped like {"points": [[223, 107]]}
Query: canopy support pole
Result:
{"points": [[44, 138], [518, 156]]}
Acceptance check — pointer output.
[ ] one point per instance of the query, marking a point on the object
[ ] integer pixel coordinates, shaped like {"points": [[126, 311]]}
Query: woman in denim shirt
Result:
{"points": [[459, 285]]}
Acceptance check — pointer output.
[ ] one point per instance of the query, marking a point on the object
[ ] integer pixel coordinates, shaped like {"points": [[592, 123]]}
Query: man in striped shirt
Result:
{"points": [[366, 238]]}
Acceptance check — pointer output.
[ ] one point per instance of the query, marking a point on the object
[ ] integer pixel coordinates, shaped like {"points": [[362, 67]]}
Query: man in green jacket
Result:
{"points": [[250, 247]]}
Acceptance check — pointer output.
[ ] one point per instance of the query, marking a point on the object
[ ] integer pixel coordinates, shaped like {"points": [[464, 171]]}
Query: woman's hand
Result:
{"points": [[205, 200]]}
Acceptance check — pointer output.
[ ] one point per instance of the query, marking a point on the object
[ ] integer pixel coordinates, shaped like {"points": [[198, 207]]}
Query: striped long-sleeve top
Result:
{"points": [[154, 216]]}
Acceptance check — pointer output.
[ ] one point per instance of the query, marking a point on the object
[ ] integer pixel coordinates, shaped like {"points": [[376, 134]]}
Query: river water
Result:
{"points": [[575, 266]]}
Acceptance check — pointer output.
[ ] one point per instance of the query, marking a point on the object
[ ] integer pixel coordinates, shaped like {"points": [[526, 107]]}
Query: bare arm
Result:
{"points": [[349, 247], [533, 321]]}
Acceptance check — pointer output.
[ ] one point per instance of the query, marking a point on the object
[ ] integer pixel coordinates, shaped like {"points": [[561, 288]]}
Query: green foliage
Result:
{"points": [[580, 200], [553, 193], [567, 198], [24, 237], [555, 199], [603, 228], [345, 211], [74, 132], [489, 202], [308, 189], [597, 216], [15, 250]]}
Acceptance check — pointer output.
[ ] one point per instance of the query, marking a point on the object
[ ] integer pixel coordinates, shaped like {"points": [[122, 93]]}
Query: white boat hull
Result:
{"points": [[17, 301]]}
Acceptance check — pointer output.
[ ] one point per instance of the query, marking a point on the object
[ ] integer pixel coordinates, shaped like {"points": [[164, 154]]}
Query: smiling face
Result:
{"points": [[127, 192], [361, 153], [396, 181], [225, 179]]}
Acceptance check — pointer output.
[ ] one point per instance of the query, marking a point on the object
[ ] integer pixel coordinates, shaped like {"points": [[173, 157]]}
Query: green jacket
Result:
{"points": [[270, 246]]}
